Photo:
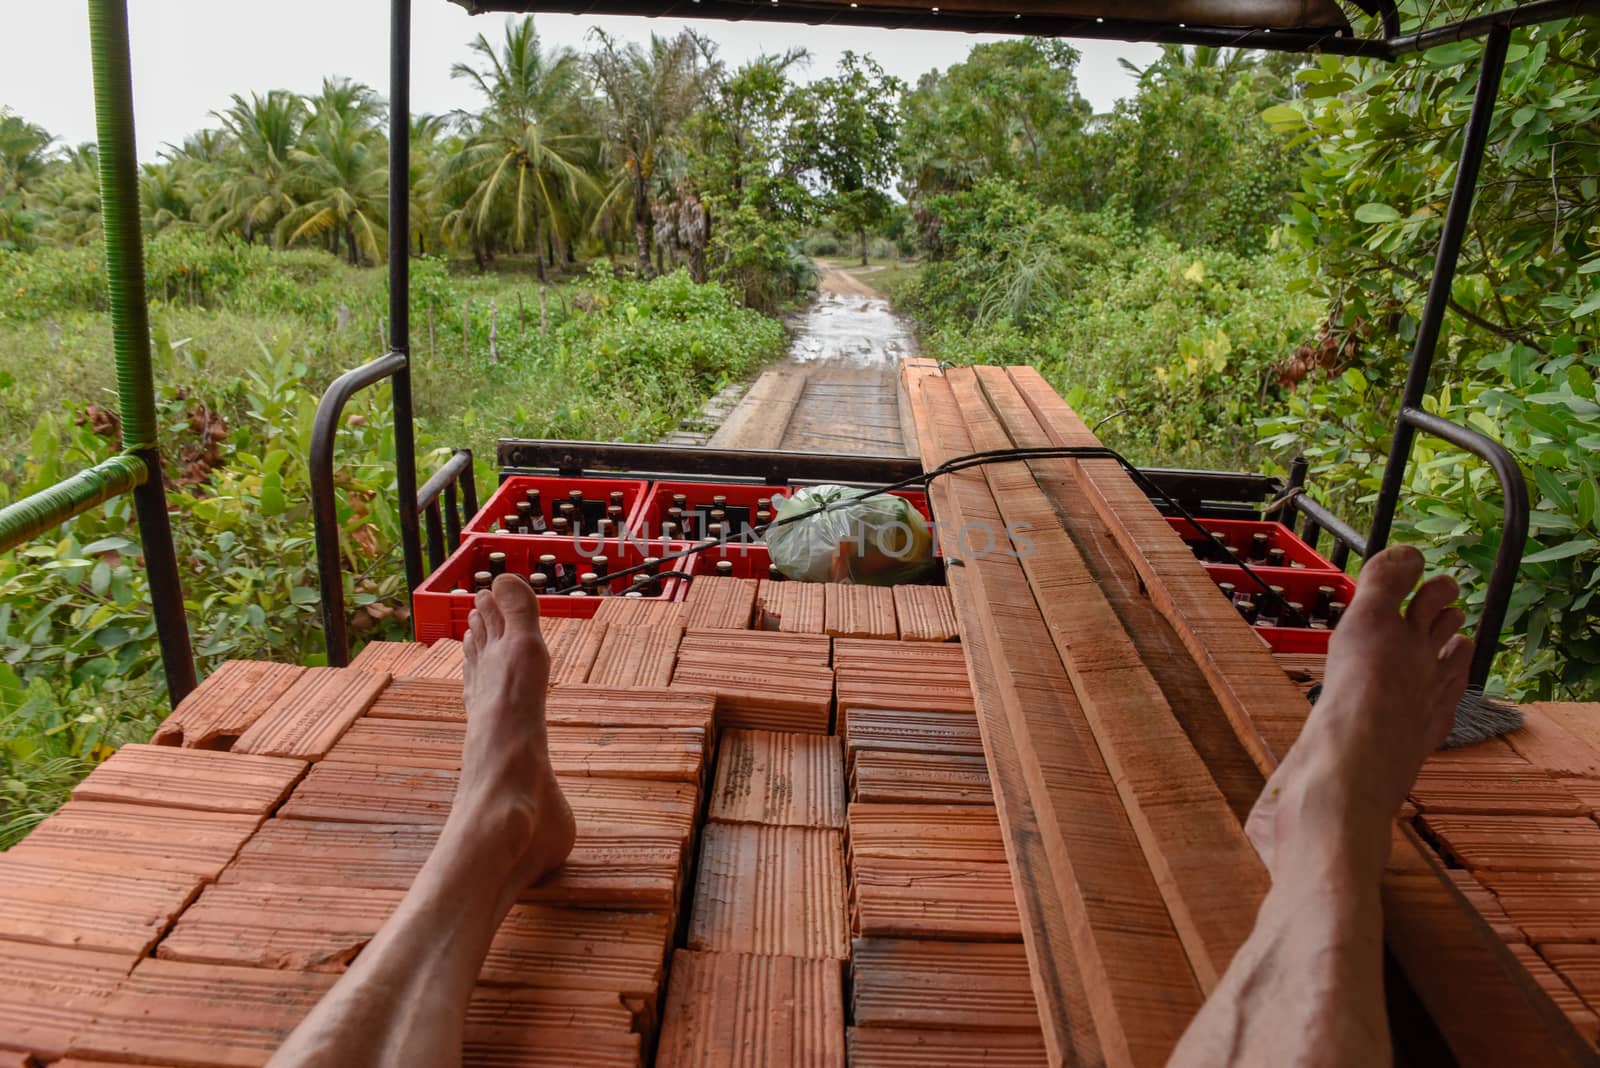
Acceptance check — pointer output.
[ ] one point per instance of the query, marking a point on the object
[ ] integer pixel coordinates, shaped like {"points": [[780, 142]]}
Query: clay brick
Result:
{"points": [[17, 1059], [1587, 791], [717, 602], [636, 657], [1543, 741], [919, 778], [552, 948], [925, 614], [718, 646], [869, 652], [857, 687], [518, 1046], [592, 706], [446, 659], [412, 698], [854, 611], [732, 1010], [48, 994], [1466, 786], [225, 705], [1580, 720], [89, 834], [1487, 906], [573, 645], [300, 929], [674, 754], [791, 607], [57, 903], [390, 658], [764, 695], [1549, 906], [361, 793], [926, 832], [200, 1014], [787, 779], [191, 778], [953, 899], [545, 1009], [1567, 1000], [1579, 965], [883, 1047], [641, 612], [309, 718], [1519, 843], [898, 730], [608, 869], [770, 890], [960, 986]]}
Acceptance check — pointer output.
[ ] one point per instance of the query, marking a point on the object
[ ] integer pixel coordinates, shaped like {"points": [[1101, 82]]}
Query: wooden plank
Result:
{"points": [[1188, 694], [759, 420], [1066, 1021], [1482, 982], [1141, 990], [1183, 822]]}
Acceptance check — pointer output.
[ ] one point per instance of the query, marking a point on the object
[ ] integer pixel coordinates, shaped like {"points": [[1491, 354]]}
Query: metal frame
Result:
{"points": [[1411, 418]]}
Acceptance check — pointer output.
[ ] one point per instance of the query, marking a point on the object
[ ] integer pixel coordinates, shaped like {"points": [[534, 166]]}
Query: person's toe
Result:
{"points": [[1435, 596], [517, 603], [477, 628], [1447, 623], [1455, 660], [1387, 578], [494, 623]]}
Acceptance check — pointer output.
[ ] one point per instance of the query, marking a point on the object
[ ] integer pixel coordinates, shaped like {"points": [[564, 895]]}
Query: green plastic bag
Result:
{"points": [[875, 541]]}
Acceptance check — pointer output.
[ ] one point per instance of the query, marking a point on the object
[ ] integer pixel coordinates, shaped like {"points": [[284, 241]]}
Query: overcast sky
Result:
{"points": [[189, 55]]}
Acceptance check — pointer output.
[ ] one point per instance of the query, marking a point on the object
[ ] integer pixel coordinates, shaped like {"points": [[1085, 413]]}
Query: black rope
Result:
{"points": [[980, 459]]}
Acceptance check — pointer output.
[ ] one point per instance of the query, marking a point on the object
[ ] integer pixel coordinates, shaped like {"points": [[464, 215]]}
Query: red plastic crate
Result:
{"points": [[749, 559], [1298, 585], [440, 612], [742, 503], [554, 491], [1238, 532]]}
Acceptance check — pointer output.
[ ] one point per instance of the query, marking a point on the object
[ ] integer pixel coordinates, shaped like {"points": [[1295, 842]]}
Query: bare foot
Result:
{"points": [[1388, 701], [509, 803]]}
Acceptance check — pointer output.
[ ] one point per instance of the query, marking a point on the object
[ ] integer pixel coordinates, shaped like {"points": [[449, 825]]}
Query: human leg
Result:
{"points": [[1307, 988], [404, 1000]]}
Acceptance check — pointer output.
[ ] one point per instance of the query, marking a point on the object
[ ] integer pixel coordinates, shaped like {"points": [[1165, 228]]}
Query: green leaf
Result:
{"points": [[1355, 380], [1282, 114], [1588, 306], [1376, 213], [304, 595], [1563, 551], [1588, 499], [115, 542], [1581, 381]]}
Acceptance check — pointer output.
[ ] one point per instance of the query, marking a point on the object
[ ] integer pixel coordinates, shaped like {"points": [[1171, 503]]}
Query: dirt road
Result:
{"points": [[838, 390]]}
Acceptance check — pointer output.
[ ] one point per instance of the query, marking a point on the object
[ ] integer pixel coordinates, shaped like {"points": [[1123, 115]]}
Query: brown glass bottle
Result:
{"points": [[497, 564], [509, 523], [589, 583], [1259, 543], [725, 568], [481, 580]]}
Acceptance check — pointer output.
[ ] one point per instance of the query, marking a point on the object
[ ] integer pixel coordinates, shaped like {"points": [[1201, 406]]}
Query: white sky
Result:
{"points": [[189, 55]]}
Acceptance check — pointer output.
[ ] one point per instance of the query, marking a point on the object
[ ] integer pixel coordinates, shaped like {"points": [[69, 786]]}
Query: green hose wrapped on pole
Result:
{"points": [[26, 519], [119, 218]]}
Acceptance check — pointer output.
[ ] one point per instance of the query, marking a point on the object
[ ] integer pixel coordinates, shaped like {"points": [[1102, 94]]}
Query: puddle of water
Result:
{"points": [[854, 330]]}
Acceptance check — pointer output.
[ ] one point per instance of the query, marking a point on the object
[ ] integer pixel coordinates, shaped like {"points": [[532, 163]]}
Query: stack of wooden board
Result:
{"points": [[1128, 717]]}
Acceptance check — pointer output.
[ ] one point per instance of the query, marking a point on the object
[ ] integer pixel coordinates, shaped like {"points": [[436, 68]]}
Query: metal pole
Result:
{"points": [[1444, 272], [405, 446], [124, 244]]}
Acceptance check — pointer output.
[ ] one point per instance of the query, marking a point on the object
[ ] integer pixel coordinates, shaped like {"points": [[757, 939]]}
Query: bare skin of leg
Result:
{"points": [[404, 1000], [1307, 986]]}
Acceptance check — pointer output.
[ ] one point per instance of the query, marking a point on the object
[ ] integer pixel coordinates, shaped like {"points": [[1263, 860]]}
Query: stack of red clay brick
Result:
{"points": [[939, 975], [190, 904]]}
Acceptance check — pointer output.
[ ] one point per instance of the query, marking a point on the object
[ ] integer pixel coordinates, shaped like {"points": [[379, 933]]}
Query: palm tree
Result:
{"points": [[524, 155], [340, 187], [427, 153], [252, 195], [648, 95], [25, 158], [71, 197]]}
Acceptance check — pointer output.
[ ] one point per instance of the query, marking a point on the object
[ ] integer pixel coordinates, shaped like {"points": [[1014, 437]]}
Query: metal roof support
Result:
{"points": [[124, 242], [1412, 417], [405, 443]]}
